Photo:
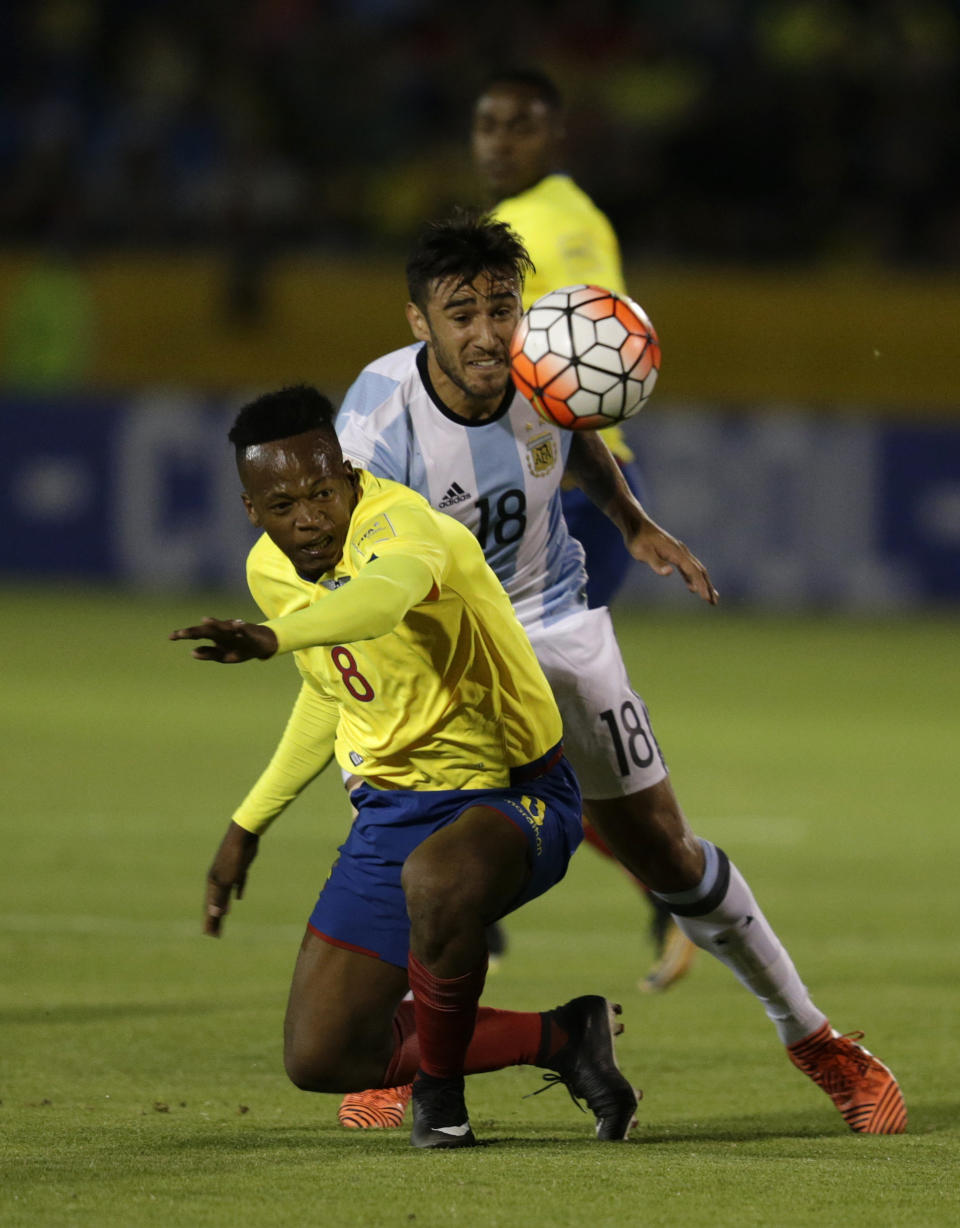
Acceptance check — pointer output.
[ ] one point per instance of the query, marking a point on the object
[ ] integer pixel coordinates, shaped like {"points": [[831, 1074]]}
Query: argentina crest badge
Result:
{"points": [[541, 454]]}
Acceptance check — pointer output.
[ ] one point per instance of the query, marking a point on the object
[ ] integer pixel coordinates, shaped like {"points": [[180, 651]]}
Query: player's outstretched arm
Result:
{"points": [[371, 605], [592, 467], [301, 755], [227, 875], [663, 553], [233, 640]]}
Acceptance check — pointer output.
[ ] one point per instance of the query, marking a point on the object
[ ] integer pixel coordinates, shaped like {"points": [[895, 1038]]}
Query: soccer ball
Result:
{"points": [[585, 357]]}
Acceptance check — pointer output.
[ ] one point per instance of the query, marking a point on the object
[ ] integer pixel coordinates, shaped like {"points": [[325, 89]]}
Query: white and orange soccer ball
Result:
{"points": [[585, 357]]}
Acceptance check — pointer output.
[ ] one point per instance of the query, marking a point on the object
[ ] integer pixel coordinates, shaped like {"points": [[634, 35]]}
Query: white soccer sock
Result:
{"points": [[739, 935]]}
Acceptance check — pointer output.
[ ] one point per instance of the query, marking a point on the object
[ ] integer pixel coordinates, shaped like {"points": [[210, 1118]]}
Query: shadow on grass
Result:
{"points": [[812, 1125], [195, 1149]]}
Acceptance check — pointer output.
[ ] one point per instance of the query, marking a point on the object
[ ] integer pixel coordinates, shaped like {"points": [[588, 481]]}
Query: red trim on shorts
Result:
{"points": [[346, 946], [527, 772]]}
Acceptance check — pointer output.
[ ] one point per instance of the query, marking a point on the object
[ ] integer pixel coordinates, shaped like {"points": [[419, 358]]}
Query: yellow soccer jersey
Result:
{"points": [[451, 698], [570, 241], [568, 238]]}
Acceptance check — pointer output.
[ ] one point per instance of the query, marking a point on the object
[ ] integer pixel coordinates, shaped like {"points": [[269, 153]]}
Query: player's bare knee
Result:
{"points": [[435, 903], [444, 914], [308, 1070]]}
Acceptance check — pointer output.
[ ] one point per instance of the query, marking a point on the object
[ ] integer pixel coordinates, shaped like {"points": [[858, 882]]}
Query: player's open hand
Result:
{"points": [[233, 640], [664, 554], [228, 875]]}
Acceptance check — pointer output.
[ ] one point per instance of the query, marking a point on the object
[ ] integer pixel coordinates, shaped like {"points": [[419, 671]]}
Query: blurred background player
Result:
{"points": [[517, 139], [417, 676]]}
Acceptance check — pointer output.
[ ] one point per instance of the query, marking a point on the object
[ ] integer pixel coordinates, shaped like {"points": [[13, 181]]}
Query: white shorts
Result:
{"points": [[606, 729]]}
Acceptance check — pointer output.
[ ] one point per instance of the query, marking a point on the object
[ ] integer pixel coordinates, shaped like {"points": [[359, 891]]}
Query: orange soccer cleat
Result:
{"points": [[381, 1108], [863, 1089]]}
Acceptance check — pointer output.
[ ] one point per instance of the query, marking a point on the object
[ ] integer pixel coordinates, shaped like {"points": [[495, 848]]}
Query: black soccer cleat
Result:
{"points": [[439, 1113], [587, 1064]]}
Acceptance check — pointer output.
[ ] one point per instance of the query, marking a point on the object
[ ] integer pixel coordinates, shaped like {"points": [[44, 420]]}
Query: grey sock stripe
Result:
{"points": [[708, 893]]}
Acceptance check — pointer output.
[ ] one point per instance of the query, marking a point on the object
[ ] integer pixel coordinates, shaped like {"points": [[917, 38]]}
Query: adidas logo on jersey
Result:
{"points": [[455, 494]]}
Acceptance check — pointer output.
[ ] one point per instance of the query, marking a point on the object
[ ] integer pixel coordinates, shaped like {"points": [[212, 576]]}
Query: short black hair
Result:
{"points": [[280, 414], [464, 245], [533, 79]]}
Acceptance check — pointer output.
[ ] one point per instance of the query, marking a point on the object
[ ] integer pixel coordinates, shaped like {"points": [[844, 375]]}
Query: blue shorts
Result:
{"points": [[362, 905], [606, 557]]}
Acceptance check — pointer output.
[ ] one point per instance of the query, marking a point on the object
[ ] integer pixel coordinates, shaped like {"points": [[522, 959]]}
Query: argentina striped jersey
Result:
{"points": [[499, 476]]}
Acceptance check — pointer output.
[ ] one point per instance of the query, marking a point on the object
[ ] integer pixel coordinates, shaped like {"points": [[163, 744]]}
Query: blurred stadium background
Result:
{"points": [[202, 200]]}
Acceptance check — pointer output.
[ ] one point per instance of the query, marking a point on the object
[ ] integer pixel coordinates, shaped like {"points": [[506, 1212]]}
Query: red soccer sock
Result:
{"points": [[500, 1038], [445, 1011]]}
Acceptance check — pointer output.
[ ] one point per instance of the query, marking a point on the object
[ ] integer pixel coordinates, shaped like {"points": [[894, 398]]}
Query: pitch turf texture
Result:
{"points": [[141, 1071]]}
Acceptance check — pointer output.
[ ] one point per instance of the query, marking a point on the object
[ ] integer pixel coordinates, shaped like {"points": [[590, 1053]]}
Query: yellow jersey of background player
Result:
{"points": [[571, 240], [517, 136]]}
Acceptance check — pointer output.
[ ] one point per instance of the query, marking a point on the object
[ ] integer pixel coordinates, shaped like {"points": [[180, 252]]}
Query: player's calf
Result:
{"points": [[648, 834]]}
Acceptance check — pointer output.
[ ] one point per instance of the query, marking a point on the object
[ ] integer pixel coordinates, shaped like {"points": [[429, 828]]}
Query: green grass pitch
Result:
{"points": [[140, 1070]]}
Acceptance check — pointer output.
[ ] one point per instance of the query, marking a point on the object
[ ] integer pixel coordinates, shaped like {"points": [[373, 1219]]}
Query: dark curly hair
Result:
{"points": [[280, 414], [464, 246]]}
